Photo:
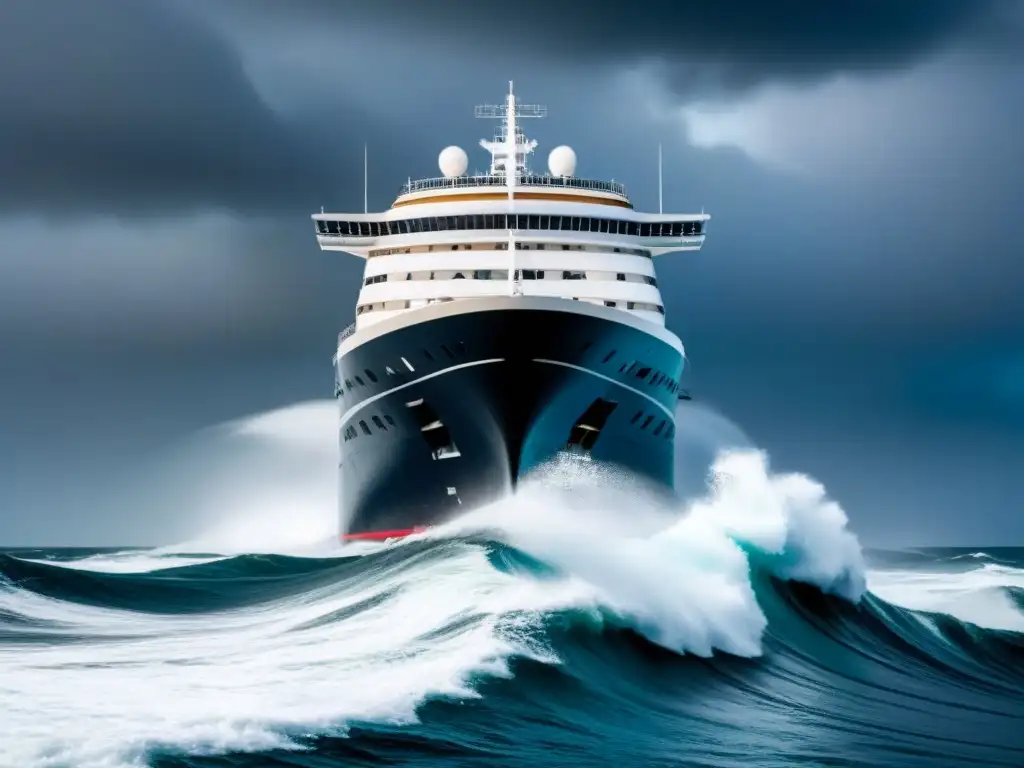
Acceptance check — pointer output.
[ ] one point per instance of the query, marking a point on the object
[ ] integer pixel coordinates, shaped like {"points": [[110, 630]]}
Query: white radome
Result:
{"points": [[453, 161], [562, 161]]}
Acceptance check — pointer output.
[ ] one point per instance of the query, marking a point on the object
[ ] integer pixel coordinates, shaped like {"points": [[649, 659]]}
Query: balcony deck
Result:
{"points": [[531, 180]]}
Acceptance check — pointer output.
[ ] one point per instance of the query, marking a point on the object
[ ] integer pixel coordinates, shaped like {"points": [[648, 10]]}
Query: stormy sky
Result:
{"points": [[857, 308]]}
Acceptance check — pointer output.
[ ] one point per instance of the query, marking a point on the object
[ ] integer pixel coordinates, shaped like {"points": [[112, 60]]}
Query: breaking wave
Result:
{"points": [[578, 623]]}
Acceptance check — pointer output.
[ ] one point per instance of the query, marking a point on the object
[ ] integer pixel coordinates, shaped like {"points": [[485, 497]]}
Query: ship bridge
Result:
{"points": [[509, 231]]}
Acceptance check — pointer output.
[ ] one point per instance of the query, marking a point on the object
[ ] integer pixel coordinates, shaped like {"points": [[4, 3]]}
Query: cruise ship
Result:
{"points": [[505, 318]]}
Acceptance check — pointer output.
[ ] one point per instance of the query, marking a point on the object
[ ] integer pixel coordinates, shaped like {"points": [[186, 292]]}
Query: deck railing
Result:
{"points": [[486, 180], [346, 333]]}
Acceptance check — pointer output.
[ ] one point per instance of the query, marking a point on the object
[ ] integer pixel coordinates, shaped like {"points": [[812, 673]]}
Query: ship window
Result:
{"points": [[565, 223], [426, 354], [403, 227], [389, 420], [332, 227], [634, 228], [500, 221], [460, 223], [482, 274], [609, 303], [359, 381], [688, 228], [534, 222], [620, 276], [447, 351], [698, 227], [434, 432], [529, 274], [590, 423], [362, 426], [489, 221], [348, 383], [565, 247], [609, 356], [545, 222], [408, 364], [636, 417], [645, 230], [661, 426], [647, 422], [643, 373], [677, 228], [370, 375], [380, 424], [572, 275]]}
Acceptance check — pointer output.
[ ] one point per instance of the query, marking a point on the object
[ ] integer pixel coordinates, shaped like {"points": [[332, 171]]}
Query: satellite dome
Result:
{"points": [[453, 161], [562, 161]]}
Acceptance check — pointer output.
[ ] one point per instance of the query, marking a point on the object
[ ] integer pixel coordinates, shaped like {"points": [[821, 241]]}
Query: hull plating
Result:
{"points": [[449, 414]]}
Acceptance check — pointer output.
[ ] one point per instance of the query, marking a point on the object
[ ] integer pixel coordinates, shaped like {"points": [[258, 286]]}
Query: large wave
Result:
{"points": [[580, 617]]}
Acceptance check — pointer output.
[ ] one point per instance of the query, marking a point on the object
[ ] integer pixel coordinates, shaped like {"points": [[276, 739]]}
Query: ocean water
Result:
{"points": [[580, 623]]}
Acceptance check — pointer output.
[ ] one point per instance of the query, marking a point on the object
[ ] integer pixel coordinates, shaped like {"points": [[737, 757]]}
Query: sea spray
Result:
{"points": [[681, 576]]}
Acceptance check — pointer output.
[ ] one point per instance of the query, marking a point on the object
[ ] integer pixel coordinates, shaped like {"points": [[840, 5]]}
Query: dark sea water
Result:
{"points": [[753, 631]]}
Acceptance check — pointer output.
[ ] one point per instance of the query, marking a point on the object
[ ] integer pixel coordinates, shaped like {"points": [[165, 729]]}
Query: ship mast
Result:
{"points": [[509, 151], [510, 148]]}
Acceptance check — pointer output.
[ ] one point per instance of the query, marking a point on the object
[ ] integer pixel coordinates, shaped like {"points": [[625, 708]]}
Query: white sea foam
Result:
{"points": [[129, 561], [976, 596], [259, 677]]}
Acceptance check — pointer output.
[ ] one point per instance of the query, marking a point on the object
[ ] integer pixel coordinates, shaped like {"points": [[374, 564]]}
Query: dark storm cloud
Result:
{"points": [[128, 105], [727, 44]]}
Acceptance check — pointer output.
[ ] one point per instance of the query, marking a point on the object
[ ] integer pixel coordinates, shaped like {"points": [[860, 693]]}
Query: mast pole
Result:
{"points": [[660, 207], [366, 182]]}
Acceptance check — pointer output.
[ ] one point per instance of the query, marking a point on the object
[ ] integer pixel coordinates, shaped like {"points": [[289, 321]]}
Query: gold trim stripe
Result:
{"points": [[482, 196]]}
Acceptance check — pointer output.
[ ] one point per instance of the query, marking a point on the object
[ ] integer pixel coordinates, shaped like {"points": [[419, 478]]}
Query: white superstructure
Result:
{"points": [[509, 233]]}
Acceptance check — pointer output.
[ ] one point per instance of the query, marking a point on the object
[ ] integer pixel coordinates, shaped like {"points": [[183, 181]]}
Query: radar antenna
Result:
{"points": [[510, 146]]}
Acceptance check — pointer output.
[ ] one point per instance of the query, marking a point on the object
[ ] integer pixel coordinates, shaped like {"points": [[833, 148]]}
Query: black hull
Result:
{"points": [[495, 393]]}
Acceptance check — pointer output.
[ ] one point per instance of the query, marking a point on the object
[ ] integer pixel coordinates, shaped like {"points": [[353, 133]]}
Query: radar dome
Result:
{"points": [[562, 161], [453, 161]]}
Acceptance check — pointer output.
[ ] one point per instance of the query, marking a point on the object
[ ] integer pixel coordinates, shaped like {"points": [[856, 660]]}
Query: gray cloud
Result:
{"points": [[730, 45], [130, 106]]}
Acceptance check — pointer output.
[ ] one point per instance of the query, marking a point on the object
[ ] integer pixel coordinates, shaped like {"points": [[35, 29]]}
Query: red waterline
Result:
{"points": [[380, 535]]}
